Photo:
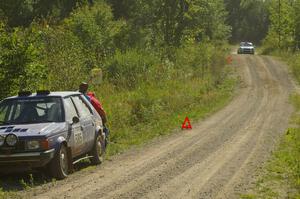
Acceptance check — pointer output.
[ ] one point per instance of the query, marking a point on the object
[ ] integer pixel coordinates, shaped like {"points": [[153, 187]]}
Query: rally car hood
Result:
{"points": [[33, 129]]}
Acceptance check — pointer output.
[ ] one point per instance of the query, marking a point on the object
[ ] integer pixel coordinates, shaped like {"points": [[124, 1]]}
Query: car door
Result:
{"points": [[86, 121], [75, 133]]}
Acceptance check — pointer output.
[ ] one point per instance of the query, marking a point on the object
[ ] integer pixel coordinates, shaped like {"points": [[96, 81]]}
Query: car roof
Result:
{"points": [[51, 94], [246, 42]]}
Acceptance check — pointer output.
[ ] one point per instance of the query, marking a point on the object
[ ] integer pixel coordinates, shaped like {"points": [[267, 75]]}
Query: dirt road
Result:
{"points": [[217, 159]]}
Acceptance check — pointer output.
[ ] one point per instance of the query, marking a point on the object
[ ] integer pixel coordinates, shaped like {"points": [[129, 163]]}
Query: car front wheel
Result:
{"points": [[59, 165]]}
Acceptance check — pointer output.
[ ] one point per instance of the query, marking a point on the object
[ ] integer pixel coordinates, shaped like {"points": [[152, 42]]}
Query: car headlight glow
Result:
{"points": [[2, 140], [33, 144], [11, 139]]}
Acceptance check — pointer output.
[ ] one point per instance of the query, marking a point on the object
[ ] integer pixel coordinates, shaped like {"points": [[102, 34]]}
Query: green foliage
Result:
{"points": [[195, 60], [282, 23], [16, 12], [284, 27], [41, 58], [297, 24], [63, 55], [165, 23], [23, 12], [248, 19], [294, 62], [206, 19], [56, 57], [20, 68], [11, 194], [247, 196], [96, 29]]}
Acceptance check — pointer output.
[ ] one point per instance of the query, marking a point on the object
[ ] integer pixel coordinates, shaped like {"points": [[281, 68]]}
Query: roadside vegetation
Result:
{"points": [[157, 63]]}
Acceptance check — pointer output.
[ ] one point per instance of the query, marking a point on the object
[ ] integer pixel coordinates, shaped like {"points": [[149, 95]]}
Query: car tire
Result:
{"points": [[59, 165], [98, 151]]}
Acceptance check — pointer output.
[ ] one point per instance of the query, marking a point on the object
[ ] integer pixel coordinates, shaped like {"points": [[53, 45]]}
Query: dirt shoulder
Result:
{"points": [[217, 159]]}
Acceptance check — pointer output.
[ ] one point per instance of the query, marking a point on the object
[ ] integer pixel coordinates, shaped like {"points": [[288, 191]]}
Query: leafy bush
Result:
{"points": [[63, 55], [96, 29], [202, 60], [270, 43], [19, 60], [40, 57], [193, 57]]}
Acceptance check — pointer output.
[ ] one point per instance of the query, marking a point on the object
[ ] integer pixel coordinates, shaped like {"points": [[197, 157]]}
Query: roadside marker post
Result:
{"points": [[186, 124]]}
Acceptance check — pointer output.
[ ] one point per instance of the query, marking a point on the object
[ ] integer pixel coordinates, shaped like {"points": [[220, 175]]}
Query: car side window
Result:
{"points": [[70, 109], [82, 107], [16, 111], [3, 110], [12, 112]]}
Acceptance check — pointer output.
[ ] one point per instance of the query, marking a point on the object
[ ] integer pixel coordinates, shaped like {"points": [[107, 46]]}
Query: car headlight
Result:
{"points": [[33, 144], [11, 139], [2, 140]]}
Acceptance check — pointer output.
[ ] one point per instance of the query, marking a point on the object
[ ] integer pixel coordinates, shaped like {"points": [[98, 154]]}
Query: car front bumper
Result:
{"points": [[246, 51], [27, 160]]}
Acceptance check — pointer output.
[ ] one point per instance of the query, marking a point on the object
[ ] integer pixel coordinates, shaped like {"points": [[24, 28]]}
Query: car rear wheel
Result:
{"points": [[98, 151], [59, 165]]}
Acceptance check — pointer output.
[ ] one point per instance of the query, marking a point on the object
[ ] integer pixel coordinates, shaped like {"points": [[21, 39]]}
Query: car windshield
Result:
{"points": [[246, 44], [31, 110]]}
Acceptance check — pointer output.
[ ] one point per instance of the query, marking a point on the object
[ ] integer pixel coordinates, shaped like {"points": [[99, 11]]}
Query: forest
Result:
{"points": [[40, 38]]}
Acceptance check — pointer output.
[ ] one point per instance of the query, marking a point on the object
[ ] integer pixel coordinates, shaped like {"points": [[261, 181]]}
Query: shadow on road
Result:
{"points": [[18, 181]]}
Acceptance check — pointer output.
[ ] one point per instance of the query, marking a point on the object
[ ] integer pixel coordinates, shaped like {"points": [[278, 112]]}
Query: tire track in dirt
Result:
{"points": [[261, 130]]}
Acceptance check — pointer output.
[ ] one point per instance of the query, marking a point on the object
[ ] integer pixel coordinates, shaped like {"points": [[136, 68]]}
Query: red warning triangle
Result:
{"points": [[229, 60], [186, 124]]}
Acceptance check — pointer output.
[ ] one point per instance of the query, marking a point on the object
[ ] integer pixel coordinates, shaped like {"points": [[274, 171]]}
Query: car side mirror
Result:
{"points": [[75, 120]]}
